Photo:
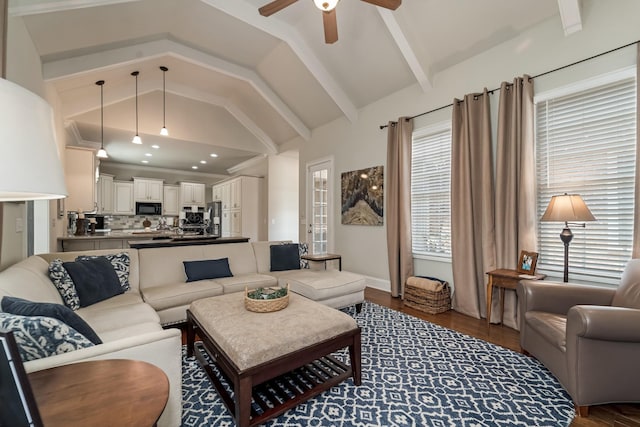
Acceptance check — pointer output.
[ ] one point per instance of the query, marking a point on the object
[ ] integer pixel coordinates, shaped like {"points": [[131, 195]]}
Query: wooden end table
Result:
{"points": [[101, 393], [504, 278], [324, 258]]}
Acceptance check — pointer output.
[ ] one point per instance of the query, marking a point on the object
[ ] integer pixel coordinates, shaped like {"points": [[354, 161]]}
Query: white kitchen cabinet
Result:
{"points": [[105, 194], [171, 199], [80, 177], [242, 213], [148, 190], [216, 193], [192, 193], [123, 198]]}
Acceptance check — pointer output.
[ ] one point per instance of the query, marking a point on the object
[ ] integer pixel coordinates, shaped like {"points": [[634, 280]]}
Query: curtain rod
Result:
{"points": [[533, 77]]}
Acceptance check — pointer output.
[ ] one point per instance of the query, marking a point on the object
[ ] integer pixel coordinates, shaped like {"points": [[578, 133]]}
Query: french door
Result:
{"points": [[319, 206]]}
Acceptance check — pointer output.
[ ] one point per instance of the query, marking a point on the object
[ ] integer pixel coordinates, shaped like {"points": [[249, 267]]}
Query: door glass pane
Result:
{"points": [[319, 207]]}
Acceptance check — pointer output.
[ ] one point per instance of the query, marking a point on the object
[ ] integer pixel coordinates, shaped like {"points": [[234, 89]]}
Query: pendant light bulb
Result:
{"points": [[136, 139], [164, 131], [102, 153]]}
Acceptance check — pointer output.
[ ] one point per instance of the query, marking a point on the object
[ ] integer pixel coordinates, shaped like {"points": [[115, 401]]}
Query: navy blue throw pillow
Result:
{"points": [[285, 257], [207, 269], [23, 307], [95, 280]]}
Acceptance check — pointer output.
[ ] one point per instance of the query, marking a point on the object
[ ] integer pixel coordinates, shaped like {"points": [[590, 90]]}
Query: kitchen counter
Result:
{"points": [[185, 241]]}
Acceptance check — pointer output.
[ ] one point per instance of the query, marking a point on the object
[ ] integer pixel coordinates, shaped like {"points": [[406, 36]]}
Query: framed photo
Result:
{"points": [[19, 405], [527, 262]]}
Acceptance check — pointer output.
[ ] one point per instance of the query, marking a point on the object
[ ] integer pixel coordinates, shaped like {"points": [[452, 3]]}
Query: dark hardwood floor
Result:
{"points": [[617, 415]]}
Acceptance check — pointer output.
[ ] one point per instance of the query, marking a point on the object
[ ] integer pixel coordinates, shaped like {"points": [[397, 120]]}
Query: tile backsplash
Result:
{"points": [[129, 222]]}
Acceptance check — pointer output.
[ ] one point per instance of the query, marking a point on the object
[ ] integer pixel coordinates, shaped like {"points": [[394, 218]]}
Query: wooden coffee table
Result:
{"points": [[101, 393], [275, 368]]}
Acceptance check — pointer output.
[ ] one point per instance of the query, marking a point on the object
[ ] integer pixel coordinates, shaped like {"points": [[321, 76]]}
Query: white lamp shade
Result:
{"points": [[30, 168], [326, 5], [567, 208]]}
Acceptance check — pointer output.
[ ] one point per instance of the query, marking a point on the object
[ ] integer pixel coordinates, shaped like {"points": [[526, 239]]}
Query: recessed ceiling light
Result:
{"points": [[148, 154], [145, 161], [203, 162], [213, 155], [156, 146], [194, 167]]}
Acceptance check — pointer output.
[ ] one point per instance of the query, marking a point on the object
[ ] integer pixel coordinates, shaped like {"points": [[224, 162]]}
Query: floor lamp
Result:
{"points": [[570, 209]]}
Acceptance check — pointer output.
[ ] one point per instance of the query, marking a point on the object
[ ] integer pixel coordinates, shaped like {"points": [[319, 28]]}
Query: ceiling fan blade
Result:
{"points": [[330, 26], [387, 4], [275, 6]]}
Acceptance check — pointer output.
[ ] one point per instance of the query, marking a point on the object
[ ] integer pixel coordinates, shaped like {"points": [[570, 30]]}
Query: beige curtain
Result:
{"points": [[636, 214], [398, 211], [516, 219], [472, 203]]}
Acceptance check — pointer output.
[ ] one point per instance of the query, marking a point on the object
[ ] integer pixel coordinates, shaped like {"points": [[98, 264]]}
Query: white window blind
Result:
{"points": [[586, 144], [431, 192]]}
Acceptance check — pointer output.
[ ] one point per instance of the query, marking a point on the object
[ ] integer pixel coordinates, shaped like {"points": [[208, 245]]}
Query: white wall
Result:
{"points": [[282, 203], [606, 25]]}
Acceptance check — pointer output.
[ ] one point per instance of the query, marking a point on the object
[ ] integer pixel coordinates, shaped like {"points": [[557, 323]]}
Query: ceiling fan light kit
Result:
{"points": [[328, 8], [102, 153], [136, 139], [164, 131]]}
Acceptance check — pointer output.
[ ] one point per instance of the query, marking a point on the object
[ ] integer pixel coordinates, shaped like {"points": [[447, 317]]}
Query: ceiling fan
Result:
{"points": [[328, 8]]}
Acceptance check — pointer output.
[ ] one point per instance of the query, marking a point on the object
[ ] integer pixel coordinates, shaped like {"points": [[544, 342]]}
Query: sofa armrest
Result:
{"points": [[604, 323], [162, 348], [559, 297]]}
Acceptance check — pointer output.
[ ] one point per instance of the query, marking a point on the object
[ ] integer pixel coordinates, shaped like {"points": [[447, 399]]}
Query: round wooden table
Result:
{"points": [[101, 393]]}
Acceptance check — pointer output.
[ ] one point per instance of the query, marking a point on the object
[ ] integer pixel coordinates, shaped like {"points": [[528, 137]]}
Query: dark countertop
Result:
{"points": [[122, 235], [186, 241]]}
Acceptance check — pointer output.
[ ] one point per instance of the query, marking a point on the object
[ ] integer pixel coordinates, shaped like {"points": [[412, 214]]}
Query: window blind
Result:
{"points": [[586, 144], [431, 192]]}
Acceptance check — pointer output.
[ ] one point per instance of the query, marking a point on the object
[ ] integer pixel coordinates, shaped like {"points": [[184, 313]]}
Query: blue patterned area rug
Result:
{"points": [[414, 373]]}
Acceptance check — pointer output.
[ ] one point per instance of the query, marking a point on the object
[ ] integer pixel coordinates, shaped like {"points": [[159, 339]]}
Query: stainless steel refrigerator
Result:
{"points": [[213, 213]]}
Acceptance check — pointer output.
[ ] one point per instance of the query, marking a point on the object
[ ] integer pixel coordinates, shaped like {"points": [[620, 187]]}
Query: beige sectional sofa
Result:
{"points": [[134, 325]]}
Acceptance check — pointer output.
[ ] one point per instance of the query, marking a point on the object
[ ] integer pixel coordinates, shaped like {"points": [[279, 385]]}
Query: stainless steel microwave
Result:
{"points": [[146, 208]]}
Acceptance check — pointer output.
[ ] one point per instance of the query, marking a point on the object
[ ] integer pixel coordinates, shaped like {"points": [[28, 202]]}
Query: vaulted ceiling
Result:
{"points": [[243, 86]]}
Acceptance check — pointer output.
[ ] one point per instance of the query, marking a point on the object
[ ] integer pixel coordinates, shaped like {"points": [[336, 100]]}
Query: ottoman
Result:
{"points": [[275, 360]]}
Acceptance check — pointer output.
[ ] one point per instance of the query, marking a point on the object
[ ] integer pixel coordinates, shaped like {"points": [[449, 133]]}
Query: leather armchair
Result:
{"points": [[587, 336]]}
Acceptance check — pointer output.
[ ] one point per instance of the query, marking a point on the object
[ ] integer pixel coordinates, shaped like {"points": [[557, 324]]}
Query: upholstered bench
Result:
{"points": [[262, 352]]}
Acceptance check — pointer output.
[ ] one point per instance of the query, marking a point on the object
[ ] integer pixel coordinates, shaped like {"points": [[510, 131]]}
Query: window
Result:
{"points": [[586, 144], [431, 191]]}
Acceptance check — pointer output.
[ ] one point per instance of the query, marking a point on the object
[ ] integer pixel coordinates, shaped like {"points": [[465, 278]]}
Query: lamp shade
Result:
{"points": [[326, 5], [567, 208], [30, 168]]}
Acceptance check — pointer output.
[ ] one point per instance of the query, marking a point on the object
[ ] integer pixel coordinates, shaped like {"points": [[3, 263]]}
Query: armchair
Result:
{"points": [[587, 336]]}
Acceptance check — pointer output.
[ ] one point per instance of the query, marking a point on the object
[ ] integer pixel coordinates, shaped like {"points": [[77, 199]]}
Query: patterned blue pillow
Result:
{"points": [[120, 262], [303, 248], [64, 284], [39, 336]]}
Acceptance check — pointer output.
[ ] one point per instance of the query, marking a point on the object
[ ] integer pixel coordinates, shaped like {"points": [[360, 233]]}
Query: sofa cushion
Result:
{"points": [[23, 307], [64, 284], [250, 281], [207, 269], [39, 336], [120, 263], [107, 316], [95, 280], [553, 327], [319, 285], [177, 294], [628, 293], [262, 254], [285, 257]]}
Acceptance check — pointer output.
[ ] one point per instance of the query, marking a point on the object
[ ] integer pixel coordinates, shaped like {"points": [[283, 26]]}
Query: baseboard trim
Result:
{"points": [[376, 283]]}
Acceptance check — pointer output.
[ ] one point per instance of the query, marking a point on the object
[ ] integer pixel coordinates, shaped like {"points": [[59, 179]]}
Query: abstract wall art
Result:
{"points": [[362, 196]]}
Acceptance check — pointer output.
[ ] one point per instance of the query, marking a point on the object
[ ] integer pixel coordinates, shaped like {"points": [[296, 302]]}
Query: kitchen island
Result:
{"points": [[137, 239]]}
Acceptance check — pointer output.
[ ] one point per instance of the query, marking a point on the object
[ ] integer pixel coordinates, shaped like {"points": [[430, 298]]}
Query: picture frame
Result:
{"points": [[527, 262], [19, 404]]}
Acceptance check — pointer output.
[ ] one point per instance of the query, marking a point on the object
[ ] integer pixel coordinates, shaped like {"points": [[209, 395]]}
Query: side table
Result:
{"points": [[504, 278], [101, 393], [324, 258]]}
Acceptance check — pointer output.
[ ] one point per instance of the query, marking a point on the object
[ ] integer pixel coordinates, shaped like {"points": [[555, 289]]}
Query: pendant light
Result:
{"points": [[164, 131], [102, 153], [136, 139]]}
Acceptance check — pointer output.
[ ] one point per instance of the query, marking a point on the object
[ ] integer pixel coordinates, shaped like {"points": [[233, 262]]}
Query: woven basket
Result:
{"points": [[265, 305], [432, 302]]}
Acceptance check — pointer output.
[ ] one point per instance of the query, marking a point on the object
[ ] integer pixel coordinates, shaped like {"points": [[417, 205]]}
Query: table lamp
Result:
{"points": [[30, 167], [568, 208]]}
